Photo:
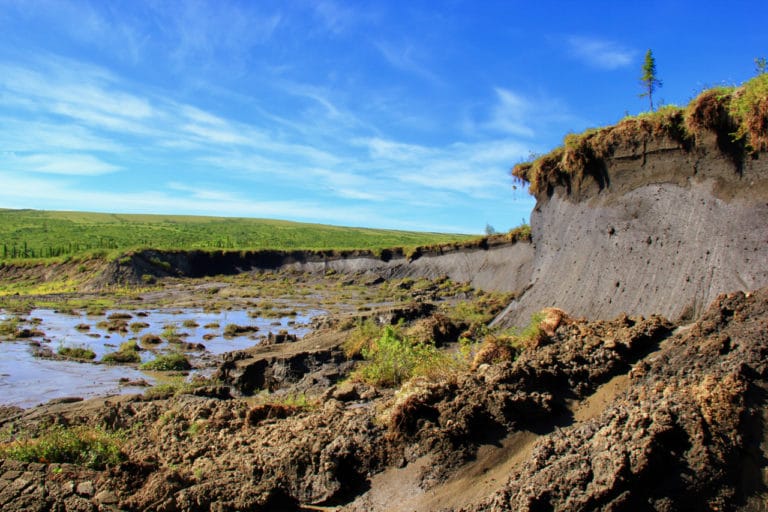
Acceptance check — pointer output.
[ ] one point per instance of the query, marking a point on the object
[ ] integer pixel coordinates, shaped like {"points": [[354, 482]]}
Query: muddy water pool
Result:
{"points": [[27, 380]]}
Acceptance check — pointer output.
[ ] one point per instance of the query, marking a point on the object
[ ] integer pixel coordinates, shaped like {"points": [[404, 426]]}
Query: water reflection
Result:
{"points": [[26, 380]]}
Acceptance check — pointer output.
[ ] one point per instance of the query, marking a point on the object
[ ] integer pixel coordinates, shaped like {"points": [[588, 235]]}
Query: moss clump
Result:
{"points": [[128, 353], [234, 330], [77, 353], [168, 363], [151, 339]]}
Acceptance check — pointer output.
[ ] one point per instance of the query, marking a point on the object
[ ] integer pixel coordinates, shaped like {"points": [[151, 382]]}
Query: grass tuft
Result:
{"points": [[168, 363], [90, 447]]}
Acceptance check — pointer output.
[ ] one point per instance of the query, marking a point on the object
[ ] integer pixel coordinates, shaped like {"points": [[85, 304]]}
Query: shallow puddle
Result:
{"points": [[26, 380]]}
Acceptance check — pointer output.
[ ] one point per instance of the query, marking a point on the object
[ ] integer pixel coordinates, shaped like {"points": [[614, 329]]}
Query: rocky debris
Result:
{"points": [[281, 337], [480, 407], [687, 436], [248, 375], [32, 487]]}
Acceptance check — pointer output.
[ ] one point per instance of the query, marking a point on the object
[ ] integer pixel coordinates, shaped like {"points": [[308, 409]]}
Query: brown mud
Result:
{"points": [[599, 415]]}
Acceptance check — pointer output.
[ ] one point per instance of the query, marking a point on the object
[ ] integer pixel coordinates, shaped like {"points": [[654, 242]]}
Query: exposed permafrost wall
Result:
{"points": [[497, 265], [504, 267], [669, 232]]}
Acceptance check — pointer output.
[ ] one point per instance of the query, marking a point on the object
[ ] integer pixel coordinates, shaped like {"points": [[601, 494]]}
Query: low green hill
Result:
{"points": [[51, 234]]}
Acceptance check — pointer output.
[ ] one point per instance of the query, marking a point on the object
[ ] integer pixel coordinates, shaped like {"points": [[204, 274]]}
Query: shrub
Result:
{"points": [[749, 105], [91, 447], [522, 232], [168, 362]]}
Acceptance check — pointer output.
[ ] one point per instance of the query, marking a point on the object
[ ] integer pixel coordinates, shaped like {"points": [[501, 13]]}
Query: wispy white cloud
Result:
{"points": [[335, 17], [206, 32], [206, 192], [474, 170], [321, 155], [512, 113], [405, 58], [67, 164], [600, 53], [21, 135]]}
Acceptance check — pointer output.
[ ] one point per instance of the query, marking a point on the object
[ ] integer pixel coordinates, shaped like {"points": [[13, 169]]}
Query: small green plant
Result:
{"points": [[197, 427], [90, 447], [168, 362], [394, 359], [190, 324], [176, 386], [77, 352], [171, 334], [9, 326], [160, 263], [362, 336]]}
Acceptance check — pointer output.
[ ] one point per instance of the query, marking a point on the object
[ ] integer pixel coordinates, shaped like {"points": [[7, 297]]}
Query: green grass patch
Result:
{"points": [[394, 358], [56, 236], [168, 363], [91, 447], [127, 353], [77, 353]]}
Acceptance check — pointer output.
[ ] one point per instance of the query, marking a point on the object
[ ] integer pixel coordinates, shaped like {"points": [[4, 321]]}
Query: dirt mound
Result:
{"points": [[689, 435]]}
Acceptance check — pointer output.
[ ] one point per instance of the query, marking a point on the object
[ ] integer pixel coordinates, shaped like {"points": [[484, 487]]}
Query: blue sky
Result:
{"points": [[393, 114]]}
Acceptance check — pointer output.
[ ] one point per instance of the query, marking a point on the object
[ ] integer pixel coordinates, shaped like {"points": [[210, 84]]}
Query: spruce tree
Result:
{"points": [[649, 79]]}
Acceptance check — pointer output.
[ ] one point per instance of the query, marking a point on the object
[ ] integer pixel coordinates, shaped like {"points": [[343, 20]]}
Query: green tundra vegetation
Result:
{"points": [[36, 234]]}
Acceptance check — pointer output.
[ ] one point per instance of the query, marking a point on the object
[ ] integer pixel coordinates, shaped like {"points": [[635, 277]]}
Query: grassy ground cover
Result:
{"points": [[52, 234]]}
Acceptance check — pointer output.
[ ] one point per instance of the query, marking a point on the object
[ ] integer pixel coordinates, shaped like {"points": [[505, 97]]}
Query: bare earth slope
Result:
{"points": [[663, 229], [690, 434]]}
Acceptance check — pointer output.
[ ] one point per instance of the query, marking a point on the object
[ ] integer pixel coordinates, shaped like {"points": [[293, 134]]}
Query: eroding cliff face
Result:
{"points": [[661, 229], [500, 265]]}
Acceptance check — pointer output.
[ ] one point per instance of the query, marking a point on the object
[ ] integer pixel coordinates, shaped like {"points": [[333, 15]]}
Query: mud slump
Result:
{"points": [[31, 372]]}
